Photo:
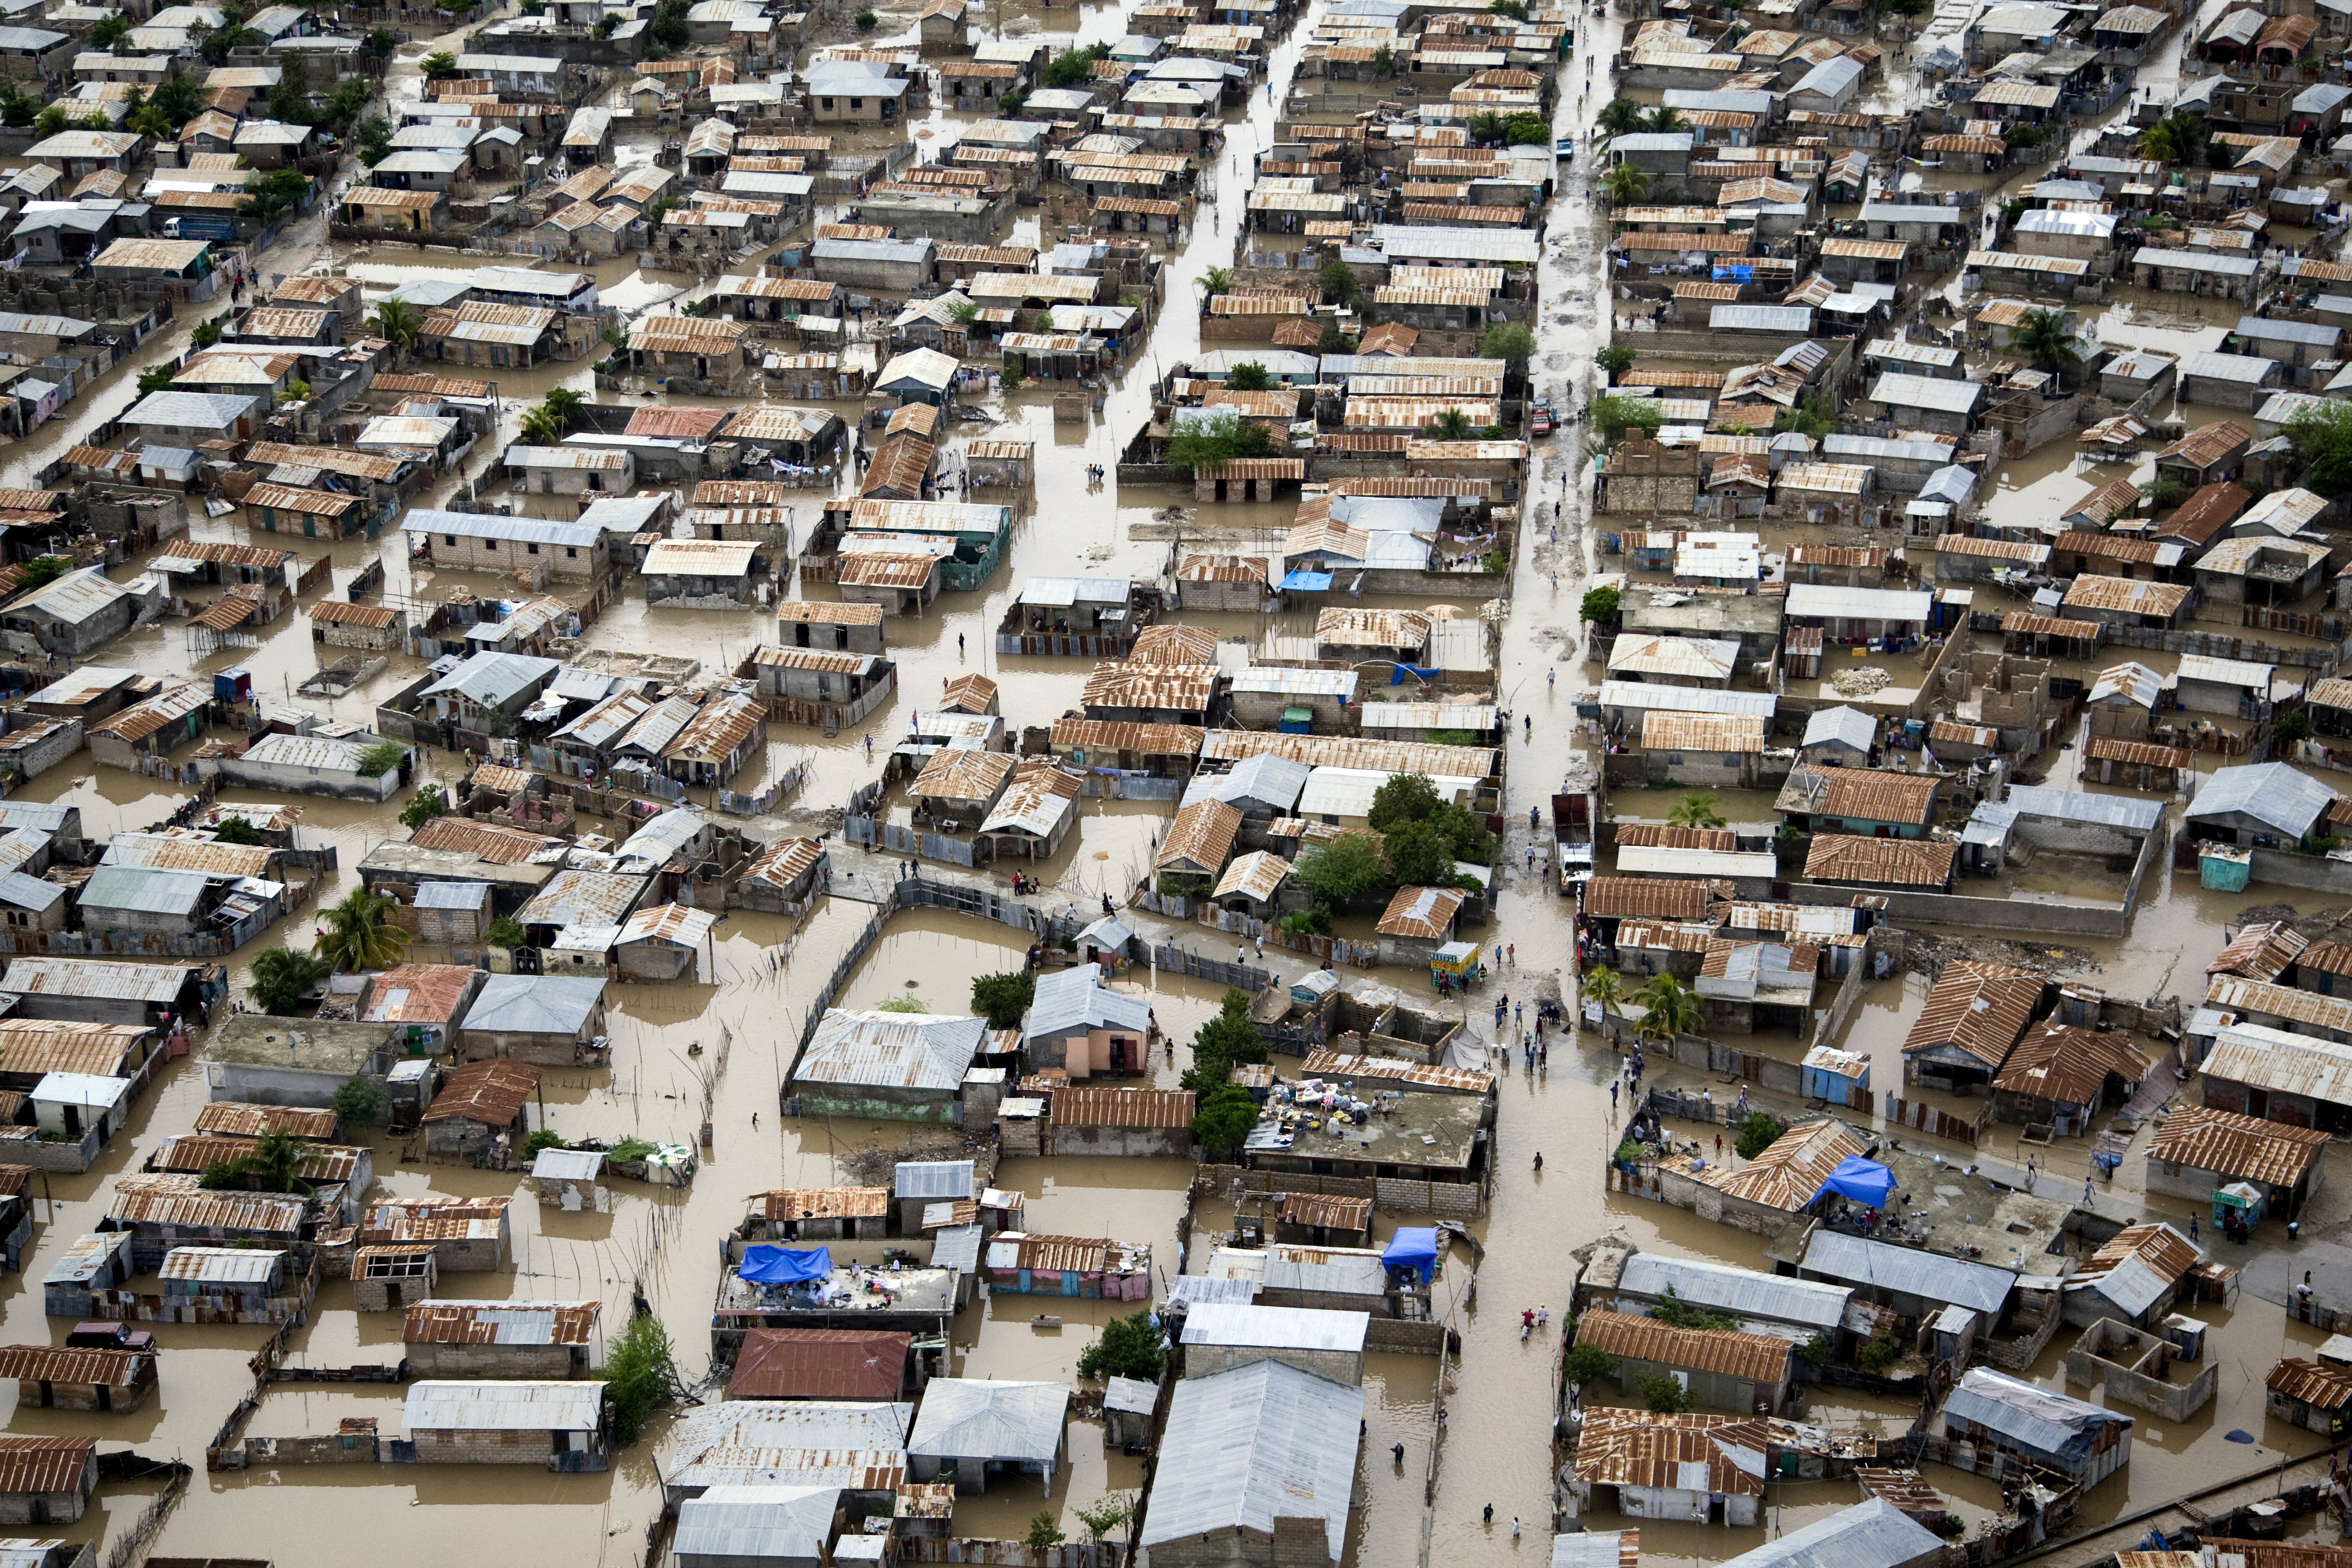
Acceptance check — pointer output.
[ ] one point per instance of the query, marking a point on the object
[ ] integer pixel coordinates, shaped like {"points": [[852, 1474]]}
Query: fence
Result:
{"points": [[1922, 1118], [929, 846], [831, 988], [768, 799], [1175, 959], [1012, 1554]]}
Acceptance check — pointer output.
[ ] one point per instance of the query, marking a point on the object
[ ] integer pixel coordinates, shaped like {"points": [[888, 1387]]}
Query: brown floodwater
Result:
{"points": [[1494, 1448]]}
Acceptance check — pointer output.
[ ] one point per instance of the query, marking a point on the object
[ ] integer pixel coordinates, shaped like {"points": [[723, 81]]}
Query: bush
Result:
{"points": [[1614, 360], [1108, 1513], [235, 831], [506, 932], [866, 21], [1507, 341], [1814, 1351], [1315, 921], [426, 803], [545, 1138], [903, 1005], [1248, 376], [1587, 1365], [1758, 1133], [1671, 1309], [1661, 1394], [2295, 724], [637, 1376], [1214, 441], [1224, 1042], [1613, 415], [1347, 867], [283, 978], [1600, 604], [1226, 1115], [1043, 1533], [382, 757], [1004, 999], [357, 1101], [1129, 1347], [1878, 1355]]}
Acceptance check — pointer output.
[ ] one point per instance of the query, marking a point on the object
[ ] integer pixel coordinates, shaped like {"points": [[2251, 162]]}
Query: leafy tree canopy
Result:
{"points": [[1131, 1346]]}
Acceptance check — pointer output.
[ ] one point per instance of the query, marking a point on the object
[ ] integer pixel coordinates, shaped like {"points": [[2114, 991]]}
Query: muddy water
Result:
{"points": [[1499, 1402]]}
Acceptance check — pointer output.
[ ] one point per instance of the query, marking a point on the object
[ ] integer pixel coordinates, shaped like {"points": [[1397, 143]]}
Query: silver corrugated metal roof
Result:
{"points": [[934, 1179], [1348, 1270], [2270, 793], [1909, 1270], [1275, 1328], [979, 1418], [2035, 1419], [503, 1407], [2069, 805], [1244, 1447], [1740, 1291], [1867, 1534], [761, 1523], [1934, 393], [158, 983], [486, 525], [1075, 998], [535, 1004]]}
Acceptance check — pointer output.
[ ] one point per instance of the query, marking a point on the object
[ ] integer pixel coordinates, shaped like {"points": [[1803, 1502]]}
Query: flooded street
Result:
{"points": [[724, 1041]]}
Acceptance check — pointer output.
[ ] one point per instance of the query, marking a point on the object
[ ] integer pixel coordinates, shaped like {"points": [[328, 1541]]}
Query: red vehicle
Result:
{"points": [[1544, 423]]}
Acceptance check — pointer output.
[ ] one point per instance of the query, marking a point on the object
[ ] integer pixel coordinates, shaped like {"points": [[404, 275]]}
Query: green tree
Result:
{"points": [[145, 118], [638, 1376], [2045, 338], [506, 932], [359, 933], [2175, 139], [1696, 810], [1074, 68], [1225, 1116], [283, 978], [1614, 360], [1342, 869], [1602, 985], [1248, 376], [904, 1005], [1587, 1365], [1338, 283], [567, 406], [442, 63], [1484, 129], [1662, 121], [1757, 1134], [17, 107], [1626, 184], [380, 758], [109, 32], [2321, 434], [1335, 341], [1447, 425], [1226, 1041], [1602, 604], [1004, 999], [1525, 128], [1217, 280], [269, 197], [1667, 1009], [275, 1164], [1878, 1355], [1514, 9], [1661, 1393], [204, 334], [1108, 1513], [397, 322], [1671, 1309], [43, 570], [1043, 1533], [348, 100], [1217, 439], [1131, 1346], [53, 121], [1509, 341], [1613, 416], [426, 803], [180, 98], [156, 378], [1383, 62], [235, 831], [1420, 855], [289, 100], [380, 42], [1813, 417], [1619, 116], [2295, 724], [538, 428]]}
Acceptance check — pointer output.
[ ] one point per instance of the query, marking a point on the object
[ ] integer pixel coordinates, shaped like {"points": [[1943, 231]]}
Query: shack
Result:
{"points": [[482, 1105], [558, 1425], [972, 1428], [500, 1339]]}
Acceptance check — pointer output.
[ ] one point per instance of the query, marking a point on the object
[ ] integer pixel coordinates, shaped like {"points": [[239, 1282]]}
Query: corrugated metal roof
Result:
{"points": [[235, 1118], [1247, 1446], [1909, 1271], [558, 1005], [493, 1093], [2241, 1148], [44, 1464], [1909, 862], [900, 1050], [963, 1418], [501, 1323], [518, 1407], [1102, 1105], [1760, 1358]]}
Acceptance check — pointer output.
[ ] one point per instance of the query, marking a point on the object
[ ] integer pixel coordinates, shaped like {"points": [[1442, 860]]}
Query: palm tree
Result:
{"points": [[359, 935], [1695, 811], [1618, 116], [1667, 1009], [1626, 184], [2045, 338], [438, 63], [398, 322], [539, 427], [1602, 985], [565, 404], [1217, 280], [2175, 138], [282, 977], [1450, 425], [277, 1158], [1485, 128], [1663, 119]]}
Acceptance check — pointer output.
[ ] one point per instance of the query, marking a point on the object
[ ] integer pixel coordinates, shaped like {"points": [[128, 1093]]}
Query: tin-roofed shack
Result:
{"points": [[825, 1364], [481, 1105], [502, 1339], [49, 1377]]}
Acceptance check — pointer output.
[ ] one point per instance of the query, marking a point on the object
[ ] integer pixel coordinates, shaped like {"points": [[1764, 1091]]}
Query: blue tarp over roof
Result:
{"points": [[784, 1265], [1415, 1249], [1863, 1181], [1307, 581]]}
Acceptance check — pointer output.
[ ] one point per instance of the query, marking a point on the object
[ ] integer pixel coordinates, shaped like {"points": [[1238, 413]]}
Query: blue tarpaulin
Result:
{"points": [[1397, 677], [1863, 1181], [1413, 1248], [1307, 581], [784, 1265]]}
